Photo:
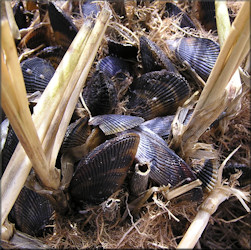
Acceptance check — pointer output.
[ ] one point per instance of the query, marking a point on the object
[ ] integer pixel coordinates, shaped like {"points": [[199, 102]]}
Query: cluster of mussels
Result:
{"points": [[114, 142]]}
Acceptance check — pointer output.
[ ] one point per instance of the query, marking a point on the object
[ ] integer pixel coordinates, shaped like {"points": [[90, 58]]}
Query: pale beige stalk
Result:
{"points": [[85, 63], [220, 193], [15, 105], [19, 165], [213, 97], [233, 52], [7, 12]]}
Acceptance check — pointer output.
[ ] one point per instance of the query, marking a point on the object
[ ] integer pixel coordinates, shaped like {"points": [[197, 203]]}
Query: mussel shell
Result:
{"points": [[173, 10], [111, 65], [19, 15], [160, 125], [9, 148], [76, 134], [100, 94], [63, 27], [113, 123], [37, 73], [157, 93], [90, 9], [125, 51], [207, 173], [103, 170], [153, 58], [166, 166], [53, 54], [205, 12], [31, 212], [200, 53], [41, 34]]}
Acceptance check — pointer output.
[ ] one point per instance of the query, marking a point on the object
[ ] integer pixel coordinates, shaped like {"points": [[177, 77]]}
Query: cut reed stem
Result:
{"points": [[15, 105], [19, 166], [213, 98], [220, 193]]}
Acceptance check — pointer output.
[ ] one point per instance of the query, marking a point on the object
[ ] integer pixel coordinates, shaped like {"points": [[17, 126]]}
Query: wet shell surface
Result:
{"points": [[200, 53], [100, 94], [53, 54], [37, 73], [157, 93], [19, 15], [103, 170], [31, 212], [153, 58]]}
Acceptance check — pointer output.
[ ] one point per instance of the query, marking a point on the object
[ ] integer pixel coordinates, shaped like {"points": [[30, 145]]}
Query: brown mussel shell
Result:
{"points": [[157, 93], [103, 170], [31, 212], [100, 94], [40, 34], [53, 54], [62, 25], [113, 123], [153, 58], [37, 73], [200, 53], [76, 134], [205, 12]]}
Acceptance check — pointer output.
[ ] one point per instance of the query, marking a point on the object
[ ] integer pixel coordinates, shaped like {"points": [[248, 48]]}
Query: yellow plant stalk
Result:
{"points": [[7, 12], [79, 78], [19, 165], [212, 100], [220, 193], [15, 105]]}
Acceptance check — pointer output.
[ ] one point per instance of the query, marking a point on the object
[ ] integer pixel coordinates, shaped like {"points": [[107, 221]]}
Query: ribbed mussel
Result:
{"points": [[153, 154], [157, 93], [100, 94], [153, 58], [37, 73], [200, 53], [31, 213], [63, 27], [103, 170]]}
